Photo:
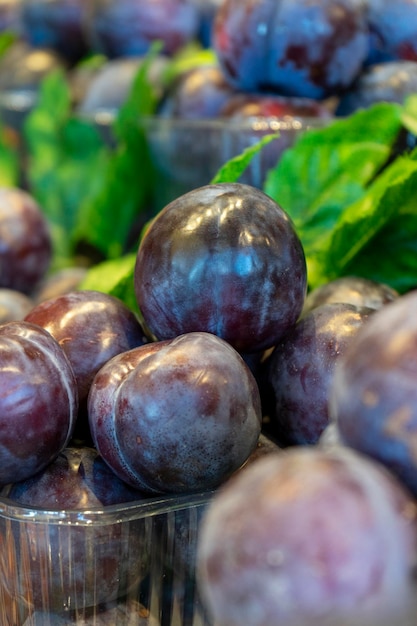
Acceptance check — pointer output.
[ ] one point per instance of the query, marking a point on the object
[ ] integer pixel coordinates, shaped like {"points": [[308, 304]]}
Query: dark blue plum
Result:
{"points": [[373, 398], [224, 259], [306, 48], [55, 24], [393, 30], [175, 416]]}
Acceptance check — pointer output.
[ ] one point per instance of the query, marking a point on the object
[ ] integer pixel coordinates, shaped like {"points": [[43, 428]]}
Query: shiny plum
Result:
{"points": [[175, 416], [356, 290], [91, 327], [300, 370], [224, 259], [38, 400], [25, 241], [373, 398], [309, 537], [76, 564], [307, 48], [119, 28]]}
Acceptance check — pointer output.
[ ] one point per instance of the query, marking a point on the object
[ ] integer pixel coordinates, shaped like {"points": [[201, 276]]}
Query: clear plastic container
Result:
{"points": [[187, 154], [124, 565]]}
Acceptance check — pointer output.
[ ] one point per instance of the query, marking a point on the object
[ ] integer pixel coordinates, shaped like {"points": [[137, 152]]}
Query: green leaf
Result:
{"points": [[329, 168], [126, 182], [66, 158], [409, 114], [377, 236], [233, 169], [115, 277]]}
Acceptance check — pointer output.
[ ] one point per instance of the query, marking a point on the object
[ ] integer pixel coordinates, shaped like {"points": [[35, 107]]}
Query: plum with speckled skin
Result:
{"points": [[301, 366], [175, 416], [309, 538], [224, 259], [75, 565], [305, 48], [373, 398], [38, 400], [25, 241]]}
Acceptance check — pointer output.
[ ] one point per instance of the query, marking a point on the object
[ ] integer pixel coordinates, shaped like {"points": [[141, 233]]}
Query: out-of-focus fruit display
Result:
{"points": [[308, 49], [373, 396], [57, 25], [25, 241], [14, 305], [224, 259], [86, 566], [175, 416], [300, 370], [58, 283], [309, 537], [356, 290], [392, 81], [197, 94], [38, 400], [120, 28], [91, 327], [393, 30]]}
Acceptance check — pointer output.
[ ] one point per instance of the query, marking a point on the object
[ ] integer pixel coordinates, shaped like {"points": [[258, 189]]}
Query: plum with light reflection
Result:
{"points": [[175, 416], [38, 400], [224, 259], [91, 327]]}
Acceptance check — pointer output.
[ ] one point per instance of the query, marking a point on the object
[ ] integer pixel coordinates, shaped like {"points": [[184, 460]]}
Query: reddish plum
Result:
{"points": [[373, 398], [306, 48], [76, 564], [224, 259], [25, 241], [309, 537], [175, 416], [38, 400], [91, 327], [300, 370]]}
